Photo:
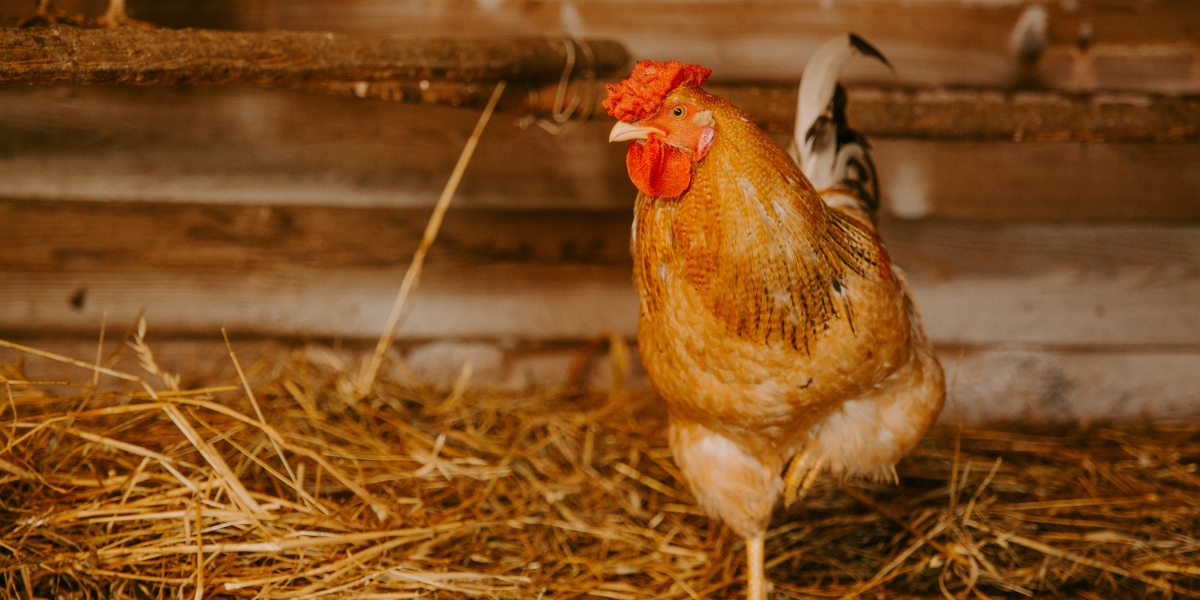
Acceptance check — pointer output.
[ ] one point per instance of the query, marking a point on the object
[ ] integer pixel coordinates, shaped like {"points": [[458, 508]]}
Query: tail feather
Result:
{"points": [[829, 152]]}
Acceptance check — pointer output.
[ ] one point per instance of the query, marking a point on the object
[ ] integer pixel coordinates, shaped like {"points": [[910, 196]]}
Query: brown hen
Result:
{"points": [[782, 339]]}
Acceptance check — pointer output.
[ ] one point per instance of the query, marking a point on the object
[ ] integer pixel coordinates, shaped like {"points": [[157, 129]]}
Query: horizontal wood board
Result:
{"points": [[968, 114], [548, 275], [167, 56], [254, 146], [1088, 44]]}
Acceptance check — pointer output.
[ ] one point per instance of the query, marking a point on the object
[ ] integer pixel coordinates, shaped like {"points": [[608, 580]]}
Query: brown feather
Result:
{"points": [[773, 324], [755, 240]]}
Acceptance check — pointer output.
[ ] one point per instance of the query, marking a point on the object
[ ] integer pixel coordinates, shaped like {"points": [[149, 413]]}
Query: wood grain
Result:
{"points": [[986, 114], [81, 236], [1039, 180], [1033, 384], [254, 146], [548, 275], [1089, 45], [877, 112], [54, 237], [168, 57]]}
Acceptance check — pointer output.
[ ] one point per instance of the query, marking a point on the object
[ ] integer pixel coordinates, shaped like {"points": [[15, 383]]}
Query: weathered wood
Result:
{"points": [[546, 276], [81, 236], [1047, 384], [55, 237], [168, 56], [495, 302], [1039, 180], [987, 115], [939, 114], [1090, 45], [522, 302], [248, 145]]}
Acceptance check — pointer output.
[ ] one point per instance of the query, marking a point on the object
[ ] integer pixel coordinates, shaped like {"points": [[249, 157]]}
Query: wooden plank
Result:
{"points": [[985, 114], [170, 56], [1044, 384], [1029, 383], [1131, 307], [448, 71], [53, 237], [427, 71], [83, 236], [495, 302], [1089, 44], [1039, 180], [248, 145], [560, 303], [548, 276], [876, 112]]}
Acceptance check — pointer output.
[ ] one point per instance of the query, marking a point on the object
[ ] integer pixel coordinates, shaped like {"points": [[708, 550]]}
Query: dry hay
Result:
{"points": [[304, 491]]}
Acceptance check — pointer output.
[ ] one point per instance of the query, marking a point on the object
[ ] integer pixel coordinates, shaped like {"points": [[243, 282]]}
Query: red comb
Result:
{"points": [[651, 81]]}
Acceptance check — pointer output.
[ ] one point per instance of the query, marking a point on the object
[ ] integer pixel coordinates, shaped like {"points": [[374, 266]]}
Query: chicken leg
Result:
{"points": [[756, 580]]}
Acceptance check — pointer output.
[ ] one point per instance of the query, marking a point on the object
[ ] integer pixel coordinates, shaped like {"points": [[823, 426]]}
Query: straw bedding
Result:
{"points": [[292, 486]]}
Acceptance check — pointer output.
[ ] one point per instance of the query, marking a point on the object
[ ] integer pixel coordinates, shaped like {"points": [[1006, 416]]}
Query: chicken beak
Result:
{"points": [[623, 131]]}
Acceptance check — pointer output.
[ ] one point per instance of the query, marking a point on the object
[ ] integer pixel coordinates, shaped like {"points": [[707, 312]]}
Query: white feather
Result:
{"points": [[816, 150]]}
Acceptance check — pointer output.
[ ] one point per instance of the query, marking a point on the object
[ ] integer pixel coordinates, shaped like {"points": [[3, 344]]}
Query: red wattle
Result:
{"points": [[657, 169]]}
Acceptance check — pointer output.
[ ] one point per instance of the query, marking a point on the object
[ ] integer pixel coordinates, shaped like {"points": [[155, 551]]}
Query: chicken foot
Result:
{"points": [[801, 474]]}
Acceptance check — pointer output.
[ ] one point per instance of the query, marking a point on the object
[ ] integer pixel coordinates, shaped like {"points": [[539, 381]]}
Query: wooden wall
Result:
{"points": [[1047, 209]]}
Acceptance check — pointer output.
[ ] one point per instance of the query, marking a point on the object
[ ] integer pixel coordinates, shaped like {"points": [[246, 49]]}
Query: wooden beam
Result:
{"points": [[547, 275], [986, 114], [449, 71], [1138, 308], [1089, 45], [876, 112], [60, 237], [1039, 180], [167, 57], [248, 145], [1049, 384]]}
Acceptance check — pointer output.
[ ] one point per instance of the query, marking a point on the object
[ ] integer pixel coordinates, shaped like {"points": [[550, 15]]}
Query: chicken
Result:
{"points": [[773, 325]]}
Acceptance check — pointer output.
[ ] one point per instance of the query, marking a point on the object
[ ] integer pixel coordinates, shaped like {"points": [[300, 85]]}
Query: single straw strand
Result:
{"points": [[70, 361], [431, 231]]}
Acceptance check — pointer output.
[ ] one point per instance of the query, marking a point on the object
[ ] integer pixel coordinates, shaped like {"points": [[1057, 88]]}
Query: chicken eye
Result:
{"points": [[678, 112]]}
